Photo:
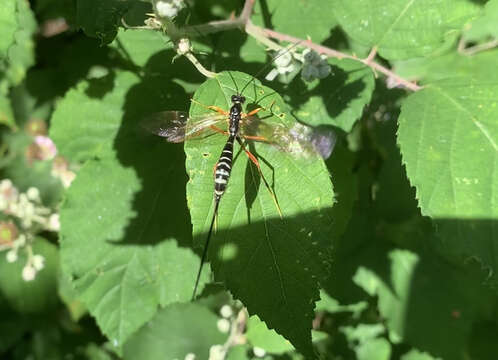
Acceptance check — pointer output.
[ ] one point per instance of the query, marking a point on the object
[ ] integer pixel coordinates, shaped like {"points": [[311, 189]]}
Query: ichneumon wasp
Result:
{"points": [[265, 122]]}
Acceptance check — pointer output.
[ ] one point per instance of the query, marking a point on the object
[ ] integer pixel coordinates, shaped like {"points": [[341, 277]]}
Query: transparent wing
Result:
{"points": [[299, 140], [176, 126]]}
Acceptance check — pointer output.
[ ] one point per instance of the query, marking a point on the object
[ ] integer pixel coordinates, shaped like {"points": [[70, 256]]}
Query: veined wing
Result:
{"points": [[176, 126], [299, 140]]}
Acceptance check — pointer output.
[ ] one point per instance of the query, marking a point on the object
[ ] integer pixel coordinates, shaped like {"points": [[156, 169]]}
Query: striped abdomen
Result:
{"points": [[223, 168]]}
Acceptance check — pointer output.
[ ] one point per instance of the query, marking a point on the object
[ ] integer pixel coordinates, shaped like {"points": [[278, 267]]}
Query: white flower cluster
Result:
{"points": [[169, 8], [26, 207], [285, 64], [315, 66], [34, 262]]}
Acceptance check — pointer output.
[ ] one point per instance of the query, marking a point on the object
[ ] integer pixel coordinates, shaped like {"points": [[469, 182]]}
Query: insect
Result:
{"points": [[297, 140]]}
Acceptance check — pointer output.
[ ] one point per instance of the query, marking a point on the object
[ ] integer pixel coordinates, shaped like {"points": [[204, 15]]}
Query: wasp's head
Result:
{"points": [[238, 99]]}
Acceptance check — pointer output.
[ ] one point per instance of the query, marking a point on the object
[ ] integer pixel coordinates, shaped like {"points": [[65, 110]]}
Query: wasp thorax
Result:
{"points": [[238, 99]]}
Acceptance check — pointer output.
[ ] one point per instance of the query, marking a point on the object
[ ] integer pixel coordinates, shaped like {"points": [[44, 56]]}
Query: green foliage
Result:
{"points": [[383, 251], [403, 29], [186, 328]]}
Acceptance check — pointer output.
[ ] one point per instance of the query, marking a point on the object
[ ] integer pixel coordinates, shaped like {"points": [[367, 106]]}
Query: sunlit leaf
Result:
{"points": [[175, 332], [402, 29], [254, 251]]}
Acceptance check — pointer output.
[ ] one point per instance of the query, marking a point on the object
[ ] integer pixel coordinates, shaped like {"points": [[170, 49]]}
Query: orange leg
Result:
{"points": [[257, 138], [218, 130], [255, 161], [252, 112], [211, 107], [214, 169]]}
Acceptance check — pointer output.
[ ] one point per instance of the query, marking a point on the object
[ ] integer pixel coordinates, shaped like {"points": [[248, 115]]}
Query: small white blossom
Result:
{"points": [[190, 356], [11, 256], [53, 223], [258, 352], [216, 352], [184, 46], [38, 262], [20, 241], [169, 9], [226, 311], [33, 194], [5, 185], [223, 325], [28, 273]]}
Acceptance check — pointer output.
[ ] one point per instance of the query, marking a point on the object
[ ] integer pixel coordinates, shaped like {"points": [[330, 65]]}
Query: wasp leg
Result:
{"points": [[211, 107], [255, 111], [256, 138], [256, 162], [218, 130]]}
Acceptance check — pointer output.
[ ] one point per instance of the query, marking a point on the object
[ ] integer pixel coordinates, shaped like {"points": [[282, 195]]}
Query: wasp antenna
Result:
{"points": [[235, 83], [206, 245]]}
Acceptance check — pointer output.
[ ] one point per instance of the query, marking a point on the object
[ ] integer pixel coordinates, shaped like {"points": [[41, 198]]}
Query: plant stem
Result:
{"points": [[340, 55], [265, 35]]}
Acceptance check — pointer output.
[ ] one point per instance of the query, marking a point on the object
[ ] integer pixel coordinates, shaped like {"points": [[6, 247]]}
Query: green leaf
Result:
{"points": [[365, 342], [337, 100], [21, 54], [303, 19], [38, 295], [417, 355], [8, 26], [449, 143], [446, 66], [403, 29], [83, 125], [271, 264], [374, 349], [6, 113], [426, 303], [139, 45], [176, 331], [485, 26], [260, 336], [239, 352], [331, 305], [70, 297], [13, 325], [100, 19], [126, 210], [130, 228]]}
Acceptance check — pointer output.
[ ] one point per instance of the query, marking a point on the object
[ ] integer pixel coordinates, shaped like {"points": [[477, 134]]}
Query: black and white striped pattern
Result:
{"points": [[223, 168]]}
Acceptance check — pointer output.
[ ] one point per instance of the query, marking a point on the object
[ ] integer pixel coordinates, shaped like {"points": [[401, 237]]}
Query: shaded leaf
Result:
{"points": [[337, 100], [100, 19], [420, 290], [126, 210], [449, 143], [36, 296]]}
